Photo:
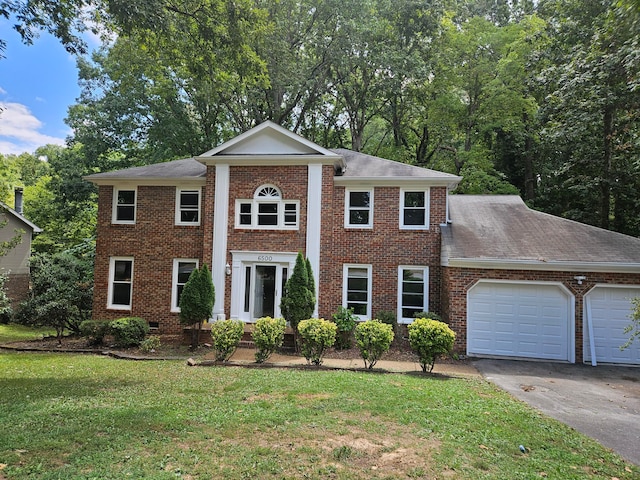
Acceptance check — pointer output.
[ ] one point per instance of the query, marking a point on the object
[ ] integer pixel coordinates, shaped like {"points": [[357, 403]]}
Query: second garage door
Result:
{"points": [[530, 320], [610, 310]]}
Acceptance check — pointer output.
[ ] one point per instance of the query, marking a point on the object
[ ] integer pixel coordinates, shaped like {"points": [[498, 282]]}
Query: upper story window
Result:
{"points": [[124, 206], [414, 209], [187, 207], [267, 210], [358, 208]]}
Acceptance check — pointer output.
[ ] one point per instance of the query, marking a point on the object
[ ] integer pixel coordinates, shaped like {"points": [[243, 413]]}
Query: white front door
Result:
{"points": [[262, 290]]}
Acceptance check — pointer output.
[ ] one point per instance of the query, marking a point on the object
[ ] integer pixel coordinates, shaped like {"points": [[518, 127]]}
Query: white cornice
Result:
{"points": [[275, 160], [501, 264]]}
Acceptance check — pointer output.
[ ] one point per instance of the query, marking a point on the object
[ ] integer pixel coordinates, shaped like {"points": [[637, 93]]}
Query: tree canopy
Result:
{"points": [[536, 98]]}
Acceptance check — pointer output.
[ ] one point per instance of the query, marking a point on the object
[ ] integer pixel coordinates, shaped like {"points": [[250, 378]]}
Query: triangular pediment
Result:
{"points": [[267, 138]]}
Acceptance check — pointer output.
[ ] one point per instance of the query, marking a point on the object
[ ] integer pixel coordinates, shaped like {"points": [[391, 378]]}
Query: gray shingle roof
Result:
{"points": [[501, 228], [362, 165], [187, 168]]}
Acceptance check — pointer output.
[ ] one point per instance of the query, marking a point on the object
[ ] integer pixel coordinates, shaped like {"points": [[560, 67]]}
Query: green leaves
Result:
{"points": [[316, 336], [429, 339], [298, 301], [373, 339]]}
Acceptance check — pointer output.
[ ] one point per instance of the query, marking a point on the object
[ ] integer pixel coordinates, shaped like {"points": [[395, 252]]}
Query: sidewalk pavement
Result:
{"points": [[244, 356]]}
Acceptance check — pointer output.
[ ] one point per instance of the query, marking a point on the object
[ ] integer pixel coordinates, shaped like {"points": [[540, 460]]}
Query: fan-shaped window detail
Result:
{"points": [[268, 191], [267, 210]]}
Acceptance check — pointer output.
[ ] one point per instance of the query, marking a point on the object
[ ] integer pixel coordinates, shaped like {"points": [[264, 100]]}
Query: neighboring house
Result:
{"points": [[16, 262], [380, 236]]}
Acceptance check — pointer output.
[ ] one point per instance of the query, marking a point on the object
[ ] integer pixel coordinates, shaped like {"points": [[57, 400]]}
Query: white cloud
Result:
{"points": [[19, 130]]}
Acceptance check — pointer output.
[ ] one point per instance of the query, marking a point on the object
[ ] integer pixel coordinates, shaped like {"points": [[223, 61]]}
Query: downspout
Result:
{"points": [[592, 344]]}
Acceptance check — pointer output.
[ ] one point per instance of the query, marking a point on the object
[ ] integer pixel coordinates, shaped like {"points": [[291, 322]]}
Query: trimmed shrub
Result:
{"points": [[316, 336], [268, 336], [150, 344], [226, 335], [373, 339], [298, 300], [128, 331], [429, 339], [94, 330], [431, 315], [345, 322]]}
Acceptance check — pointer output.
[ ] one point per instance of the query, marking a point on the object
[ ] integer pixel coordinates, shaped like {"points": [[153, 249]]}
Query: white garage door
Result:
{"points": [[610, 309], [519, 320]]}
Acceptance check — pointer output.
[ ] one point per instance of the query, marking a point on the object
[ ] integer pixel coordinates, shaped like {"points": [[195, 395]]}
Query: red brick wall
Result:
{"points": [[457, 282], [153, 241], [384, 247]]}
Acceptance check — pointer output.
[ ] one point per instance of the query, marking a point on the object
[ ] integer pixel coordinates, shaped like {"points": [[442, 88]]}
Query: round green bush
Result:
{"points": [[94, 331], [373, 339], [226, 335], [429, 339], [268, 336], [150, 344], [345, 321], [129, 331], [316, 336]]}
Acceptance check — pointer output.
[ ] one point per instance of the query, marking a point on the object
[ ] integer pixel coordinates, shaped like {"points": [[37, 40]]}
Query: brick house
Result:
{"points": [[380, 236]]}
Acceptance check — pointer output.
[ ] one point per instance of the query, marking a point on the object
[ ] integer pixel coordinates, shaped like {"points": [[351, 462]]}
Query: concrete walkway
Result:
{"points": [[246, 356]]}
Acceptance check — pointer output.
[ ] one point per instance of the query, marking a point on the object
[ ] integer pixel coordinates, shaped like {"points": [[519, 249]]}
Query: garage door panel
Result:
{"points": [[610, 310], [519, 320]]}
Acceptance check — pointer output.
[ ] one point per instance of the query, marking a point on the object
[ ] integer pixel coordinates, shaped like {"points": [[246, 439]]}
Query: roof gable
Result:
{"points": [[10, 211], [267, 138]]}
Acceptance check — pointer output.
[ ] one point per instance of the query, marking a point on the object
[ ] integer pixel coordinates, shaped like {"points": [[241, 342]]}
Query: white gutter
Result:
{"points": [[502, 264]]}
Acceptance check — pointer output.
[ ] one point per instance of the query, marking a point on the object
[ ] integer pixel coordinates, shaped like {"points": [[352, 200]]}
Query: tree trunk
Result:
{"points": [[529, 177], [605, 185]]}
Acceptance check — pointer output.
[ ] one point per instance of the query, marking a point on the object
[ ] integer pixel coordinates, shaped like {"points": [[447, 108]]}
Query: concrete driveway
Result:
{"points": [[602, 402]]}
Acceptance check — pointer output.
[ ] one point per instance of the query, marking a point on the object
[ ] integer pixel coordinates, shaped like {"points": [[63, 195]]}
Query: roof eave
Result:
{"points": [[150, 181], [554, 265], [31, 225], [450, 183]]}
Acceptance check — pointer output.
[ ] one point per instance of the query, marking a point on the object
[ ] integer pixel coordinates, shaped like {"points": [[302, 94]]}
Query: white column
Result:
{"points": [[314, 220], [219, 258]]}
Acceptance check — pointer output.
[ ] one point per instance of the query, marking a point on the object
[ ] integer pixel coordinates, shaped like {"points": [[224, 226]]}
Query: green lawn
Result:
{"points": [[73, 417], [17, 333]]}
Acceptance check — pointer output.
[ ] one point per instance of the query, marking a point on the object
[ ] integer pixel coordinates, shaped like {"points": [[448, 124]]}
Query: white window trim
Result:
{"points": [[114, 209], [112, 271], [256, 201], [178, 216], [347, 208], [425, 307], [427, 196], [174, 280], [345, 273]]}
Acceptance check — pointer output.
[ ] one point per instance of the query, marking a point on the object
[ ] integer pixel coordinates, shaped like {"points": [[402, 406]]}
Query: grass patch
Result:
{"points": [[19, 333], [82, 417]]}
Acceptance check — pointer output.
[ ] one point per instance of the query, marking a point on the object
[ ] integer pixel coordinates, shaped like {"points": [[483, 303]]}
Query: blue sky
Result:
{"points": [[37, 85]]}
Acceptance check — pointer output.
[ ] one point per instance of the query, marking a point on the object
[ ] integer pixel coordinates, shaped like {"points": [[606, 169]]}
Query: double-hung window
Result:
{"points": [[187, 206], [414, 209], [120, 283], [268, 210], [124, 206], [356, 290], [358, 208], [182, 268], [413, 292]]}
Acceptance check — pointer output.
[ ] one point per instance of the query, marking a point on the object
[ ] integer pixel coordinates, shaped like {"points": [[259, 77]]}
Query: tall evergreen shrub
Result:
{"points": [[298, 301], [196, 302]]}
